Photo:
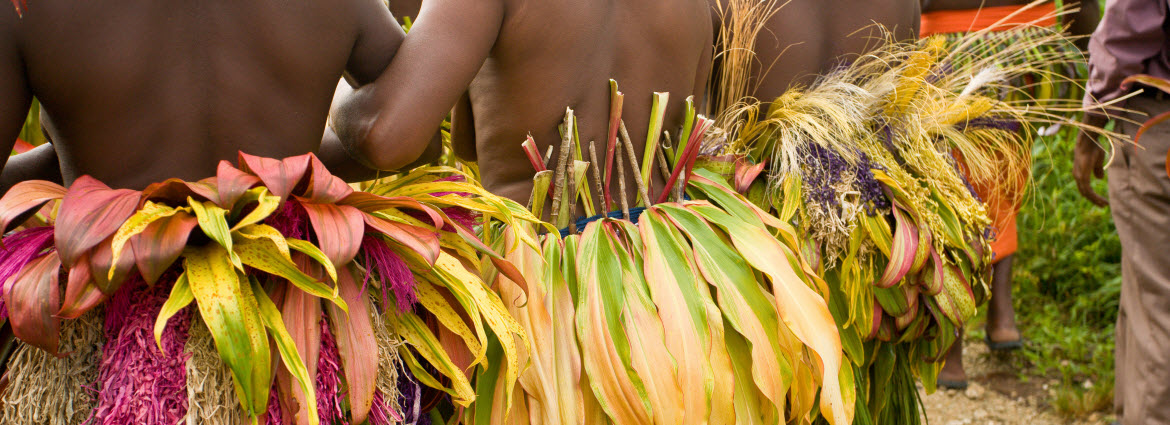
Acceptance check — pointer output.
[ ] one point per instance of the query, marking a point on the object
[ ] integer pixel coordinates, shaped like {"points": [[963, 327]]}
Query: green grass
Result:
{"points": [[1067, 281]]}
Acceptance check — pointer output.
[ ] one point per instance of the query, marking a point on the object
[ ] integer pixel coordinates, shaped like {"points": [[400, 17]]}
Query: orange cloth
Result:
{"points": [[970, 20], [1004, 239]]}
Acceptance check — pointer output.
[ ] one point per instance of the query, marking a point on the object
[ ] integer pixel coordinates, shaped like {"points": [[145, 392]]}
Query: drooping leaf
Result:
{"points": [[307, 248], [213, 221], [287, 347], [180, 297], [107, 274], [339, 230], [32, 297], [324, 187], [90, 213], [231, 184], [370, 204], [175, 191], [415, 333], [903, 251], [266, 204], [81, 293], [230, 312], [279, 176], [159, 245], [264, 254], [301, 313], [414, 238], [136, 224], [24, 197], [356, 344]]}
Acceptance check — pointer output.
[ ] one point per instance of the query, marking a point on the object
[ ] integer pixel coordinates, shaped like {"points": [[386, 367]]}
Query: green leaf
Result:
{"points": [[417, 335], [307, 248], [179, 299], [136, 224], [264, 254], [213, 220], [270, 315], [266, 204], [231, 313]]}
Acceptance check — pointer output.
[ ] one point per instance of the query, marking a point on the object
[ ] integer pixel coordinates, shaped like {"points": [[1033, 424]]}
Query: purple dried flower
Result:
{"points": [[391, 270], [274, 415], [329, 408], [290, 220], [381, 413], [138, 383]]}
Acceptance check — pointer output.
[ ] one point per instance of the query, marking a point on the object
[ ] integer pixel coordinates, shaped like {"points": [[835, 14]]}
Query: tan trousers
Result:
{"points": [[1139, 195]]}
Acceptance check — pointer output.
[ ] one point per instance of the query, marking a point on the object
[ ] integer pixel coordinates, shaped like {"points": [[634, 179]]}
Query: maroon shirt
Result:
{"points": [[1130, 40]]}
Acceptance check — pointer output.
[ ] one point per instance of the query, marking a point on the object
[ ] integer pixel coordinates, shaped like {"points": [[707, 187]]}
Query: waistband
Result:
{"points": [[999, 18]]}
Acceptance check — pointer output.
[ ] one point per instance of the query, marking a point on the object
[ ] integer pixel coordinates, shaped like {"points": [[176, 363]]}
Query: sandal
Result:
{"points": [[952, 385]]}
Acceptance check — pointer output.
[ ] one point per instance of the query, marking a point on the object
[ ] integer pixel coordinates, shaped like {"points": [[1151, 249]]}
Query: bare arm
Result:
{"points": [[15, 95], [389, 123], [38, 164]]}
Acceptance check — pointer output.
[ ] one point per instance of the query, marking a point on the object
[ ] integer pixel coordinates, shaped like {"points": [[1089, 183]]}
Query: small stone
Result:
{"points": [[980, 414], [1088, 384], [975, 392], [1095, 418]]}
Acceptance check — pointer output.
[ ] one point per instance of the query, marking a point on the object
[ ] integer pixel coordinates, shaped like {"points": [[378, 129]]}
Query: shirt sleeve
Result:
{"points": [[1129, 35]]}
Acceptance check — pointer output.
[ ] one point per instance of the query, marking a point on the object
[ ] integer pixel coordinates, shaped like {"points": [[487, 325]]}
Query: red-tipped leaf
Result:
{"points": [[32, 297], [339, 230], [323, 186], [25, 197], [280, 176], [90, 213], [231, 183], [420, 241], [159, 245], [81, 293], [356, 344]]}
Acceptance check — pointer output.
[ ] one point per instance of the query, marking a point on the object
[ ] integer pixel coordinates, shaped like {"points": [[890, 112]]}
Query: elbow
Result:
{"points": [[380, 148]]}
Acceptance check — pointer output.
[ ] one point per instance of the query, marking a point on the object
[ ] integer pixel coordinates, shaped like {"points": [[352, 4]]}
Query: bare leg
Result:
{"points": [[1001, 316], [952, 374]]}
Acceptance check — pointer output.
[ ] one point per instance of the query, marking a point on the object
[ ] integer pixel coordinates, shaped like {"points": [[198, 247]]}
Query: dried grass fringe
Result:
{"points": [[389, 362], [211, 396], [45, 390]]}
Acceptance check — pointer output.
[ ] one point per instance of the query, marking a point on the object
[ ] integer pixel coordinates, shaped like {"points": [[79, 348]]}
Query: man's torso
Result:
{"points": [[137, 91], [553, 54]]}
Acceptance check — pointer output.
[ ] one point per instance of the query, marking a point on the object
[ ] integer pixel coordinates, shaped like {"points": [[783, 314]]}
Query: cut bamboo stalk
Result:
{"points": [[560, 177], [548, 156], [688, 125], [540, 184], [629, 144], [596, 166], [663, 169], [621, 172]]}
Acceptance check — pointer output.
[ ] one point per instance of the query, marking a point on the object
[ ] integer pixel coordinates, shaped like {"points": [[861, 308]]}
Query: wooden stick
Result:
{"points": [[560, 177], [663, 169], [643, 191], [621, 172], [572, 210], [596, 166]]}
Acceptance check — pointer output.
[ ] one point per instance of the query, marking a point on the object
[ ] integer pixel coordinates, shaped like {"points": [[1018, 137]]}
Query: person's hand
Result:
{"points": [[1089, 161]]}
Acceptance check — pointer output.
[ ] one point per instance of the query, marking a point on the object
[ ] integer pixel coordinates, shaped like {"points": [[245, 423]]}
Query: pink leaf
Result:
{"points": [[339, 230], [175, 191], [370, 203], [25, 197], [33, 299], [231, 184], [81, 294], [904, 249], [323, 186], [90, 213], [421, 241], [302, 317], [746, 174], [101, 261], [356, 344], [159, 245], [281, 177]]}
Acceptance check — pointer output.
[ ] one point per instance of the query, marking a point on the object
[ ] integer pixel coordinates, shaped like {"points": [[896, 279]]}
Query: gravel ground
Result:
{"points": [[996, 397]]}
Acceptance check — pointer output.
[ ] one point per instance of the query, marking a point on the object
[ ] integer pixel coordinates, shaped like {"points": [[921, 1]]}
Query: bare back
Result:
{"points": [[554, 54], [525, 61], [806, 38], [137, 91]]}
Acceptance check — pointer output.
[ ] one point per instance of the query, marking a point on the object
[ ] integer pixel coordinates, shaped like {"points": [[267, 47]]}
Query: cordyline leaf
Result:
{"points": [[229, 310], [32, 297], [159, 245], [107, 274], [693, 324], [339, 230], [1147, 80], [324, 187], [307, 248], [265, 255], [600, 328], [231, 184], [806, 313], [415, 333], [434, 303], [90, 212], [932, 277], [181, 297], [744, 304], [279, 176], [494, 313], [259, 232], [414, 238], [746, 174], [287, 348], [301, 313], [506, 268], [370, 204], [25, 197], [956, 300], [137, 223], [355, 344], [213, 221], [81, 293], [266, 204], [175, 191], [903, 251]]}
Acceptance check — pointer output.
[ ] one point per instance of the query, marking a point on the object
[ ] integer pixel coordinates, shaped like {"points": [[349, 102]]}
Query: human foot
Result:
{"points": [[1002, 333], [952, 376]]}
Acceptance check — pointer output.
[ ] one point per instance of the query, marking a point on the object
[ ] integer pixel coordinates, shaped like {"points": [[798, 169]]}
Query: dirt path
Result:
{"points": [[996, 397]]}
